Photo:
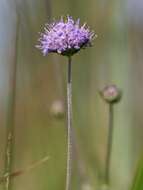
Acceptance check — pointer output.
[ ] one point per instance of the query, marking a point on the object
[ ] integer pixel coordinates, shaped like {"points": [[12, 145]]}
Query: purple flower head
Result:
{"points": [[65, 37]]}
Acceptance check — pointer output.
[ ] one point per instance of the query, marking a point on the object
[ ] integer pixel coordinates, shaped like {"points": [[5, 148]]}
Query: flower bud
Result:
{"points": [[111, 94], [57, 109]]}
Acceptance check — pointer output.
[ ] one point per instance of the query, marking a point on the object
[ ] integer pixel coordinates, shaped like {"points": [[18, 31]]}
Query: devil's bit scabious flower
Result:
{"points": [[65, 37]]}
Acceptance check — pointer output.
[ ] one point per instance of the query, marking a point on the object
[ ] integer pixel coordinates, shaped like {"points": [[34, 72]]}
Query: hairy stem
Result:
{"points": [[69, 125], [109, 145]]}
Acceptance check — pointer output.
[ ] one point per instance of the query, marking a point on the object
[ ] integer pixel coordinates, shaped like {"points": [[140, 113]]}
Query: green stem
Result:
{"points": [[69, 125], [109, 145], [11, 116]]}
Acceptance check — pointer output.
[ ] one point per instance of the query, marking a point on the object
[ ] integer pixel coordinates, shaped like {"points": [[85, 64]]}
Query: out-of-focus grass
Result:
{"points": [[116, 57], [137, 183]]}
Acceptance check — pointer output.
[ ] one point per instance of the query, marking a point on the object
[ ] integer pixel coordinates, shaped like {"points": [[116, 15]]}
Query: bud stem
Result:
{"points": [[109, 144]]}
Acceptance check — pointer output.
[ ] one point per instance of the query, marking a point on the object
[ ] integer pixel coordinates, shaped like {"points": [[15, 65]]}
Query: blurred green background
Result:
{"points": [[30, 84]]}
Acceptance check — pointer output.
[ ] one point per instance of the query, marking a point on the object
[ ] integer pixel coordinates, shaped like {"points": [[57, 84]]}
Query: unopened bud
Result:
{"points": [[57, 109], [111, 94]]}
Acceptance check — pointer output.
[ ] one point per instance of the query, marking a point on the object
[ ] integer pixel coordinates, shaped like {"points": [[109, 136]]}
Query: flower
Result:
{"points": [[65, 37], [111, 93]]}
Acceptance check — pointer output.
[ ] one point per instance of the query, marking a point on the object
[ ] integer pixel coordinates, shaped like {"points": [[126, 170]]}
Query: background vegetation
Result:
{"points": [[31, 83]]}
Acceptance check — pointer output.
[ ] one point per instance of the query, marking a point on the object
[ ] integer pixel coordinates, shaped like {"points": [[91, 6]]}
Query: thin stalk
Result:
{"points": [[69, 125], [11, 116], [22, 171], [109, 145]]}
